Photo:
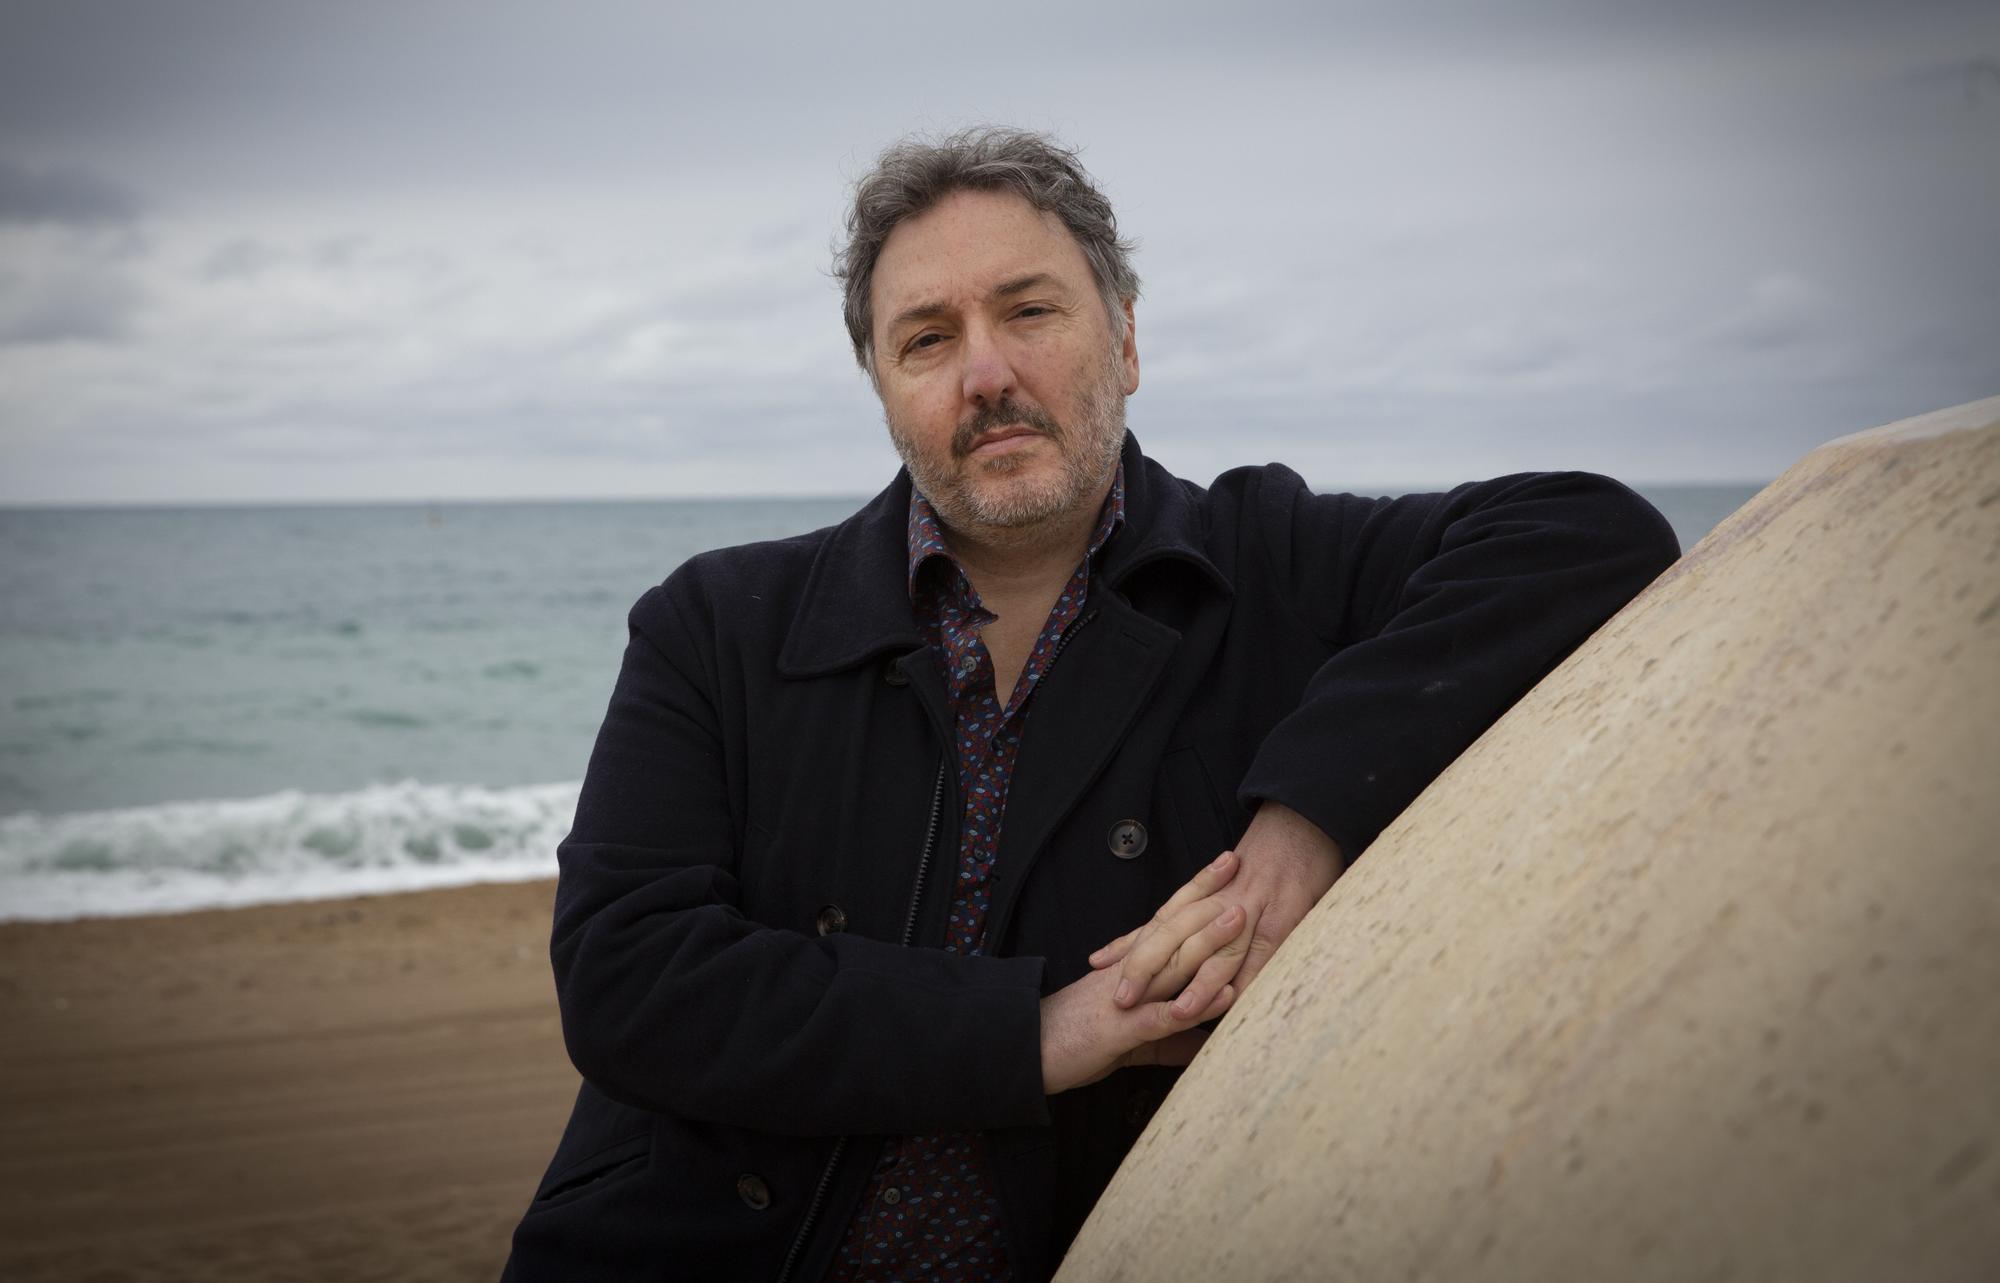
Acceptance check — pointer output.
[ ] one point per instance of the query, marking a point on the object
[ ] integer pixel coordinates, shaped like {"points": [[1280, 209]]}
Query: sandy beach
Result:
{"points": [[334, 1089]]}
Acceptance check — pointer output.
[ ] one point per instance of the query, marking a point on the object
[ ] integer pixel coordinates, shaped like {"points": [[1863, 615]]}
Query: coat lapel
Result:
{"points": [[855, 609], [856, 602], [1081, 713]]}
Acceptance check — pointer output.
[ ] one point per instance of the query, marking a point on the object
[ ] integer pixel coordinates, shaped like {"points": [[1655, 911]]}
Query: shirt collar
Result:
{"points": [[926, 531], [855, 603]]}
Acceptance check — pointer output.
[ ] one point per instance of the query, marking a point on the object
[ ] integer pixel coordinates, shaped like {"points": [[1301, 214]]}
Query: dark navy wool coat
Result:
{"points": [[772, 776]]}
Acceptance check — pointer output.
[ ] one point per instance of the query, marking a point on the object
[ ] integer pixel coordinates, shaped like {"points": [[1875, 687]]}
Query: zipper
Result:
{"points": [[924, 861], [812, 1209], [818, 1202], [1063, 641], [909, 932]]}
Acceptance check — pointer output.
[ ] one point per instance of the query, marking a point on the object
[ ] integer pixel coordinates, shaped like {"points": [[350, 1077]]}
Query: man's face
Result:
{"points": [[1002, 388]]}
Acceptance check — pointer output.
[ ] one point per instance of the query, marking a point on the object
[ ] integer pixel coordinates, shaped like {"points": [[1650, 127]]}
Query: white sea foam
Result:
{"points": [[287, 846]]}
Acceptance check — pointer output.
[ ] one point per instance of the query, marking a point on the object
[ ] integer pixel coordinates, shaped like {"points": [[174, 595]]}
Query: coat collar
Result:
{"points": [[856, 603]]}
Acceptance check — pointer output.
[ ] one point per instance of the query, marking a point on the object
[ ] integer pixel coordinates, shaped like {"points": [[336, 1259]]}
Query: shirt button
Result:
{"points": [[892, 1195], [751, 1188], [893, 674], [1127, 839], [832, 918]]}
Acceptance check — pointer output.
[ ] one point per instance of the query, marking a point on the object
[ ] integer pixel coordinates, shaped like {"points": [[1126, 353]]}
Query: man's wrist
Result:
{"points": [[1279, 836]]}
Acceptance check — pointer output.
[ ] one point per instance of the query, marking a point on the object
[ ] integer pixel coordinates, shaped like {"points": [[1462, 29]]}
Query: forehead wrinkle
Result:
{"points": [[1006, 289], [1022, 284]]}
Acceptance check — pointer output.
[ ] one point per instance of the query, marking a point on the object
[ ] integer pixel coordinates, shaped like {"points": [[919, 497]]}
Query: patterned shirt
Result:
{"points": [[930, 1211]]}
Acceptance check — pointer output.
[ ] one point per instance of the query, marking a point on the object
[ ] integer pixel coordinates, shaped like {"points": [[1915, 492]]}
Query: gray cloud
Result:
{"points": [[1975, 81], [86, 308], [450, 248], [61, 284], [239, 258], [64, 194]]}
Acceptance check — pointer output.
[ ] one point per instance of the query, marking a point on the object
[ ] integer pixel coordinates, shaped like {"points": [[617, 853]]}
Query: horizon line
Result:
{"points": [[465, 501]]}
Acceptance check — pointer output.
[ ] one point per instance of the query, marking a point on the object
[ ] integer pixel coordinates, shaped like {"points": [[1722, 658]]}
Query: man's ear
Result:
{"points": [[1129, 350]]}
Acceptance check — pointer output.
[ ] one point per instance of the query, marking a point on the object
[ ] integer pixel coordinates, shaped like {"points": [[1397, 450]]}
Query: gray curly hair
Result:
{"points": [[918, 172]]}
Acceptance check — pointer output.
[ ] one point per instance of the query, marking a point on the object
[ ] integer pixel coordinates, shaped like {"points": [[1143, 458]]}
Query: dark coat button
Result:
{"points": [[831, 919], [1127, 839], [892, 673], [751, 1188]]}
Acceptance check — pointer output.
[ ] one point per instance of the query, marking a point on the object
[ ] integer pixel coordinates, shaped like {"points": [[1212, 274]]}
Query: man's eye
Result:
{"points": [[1033, 309], [925, 340]]}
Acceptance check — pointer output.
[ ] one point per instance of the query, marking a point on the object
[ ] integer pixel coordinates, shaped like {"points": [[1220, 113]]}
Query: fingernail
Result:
{"points": [[1220, 860], [1124, 994]]}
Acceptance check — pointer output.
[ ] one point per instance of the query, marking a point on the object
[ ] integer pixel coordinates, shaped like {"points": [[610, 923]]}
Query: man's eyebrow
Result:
{"points": [[937, 307], [921, 312], [1022, 284]]}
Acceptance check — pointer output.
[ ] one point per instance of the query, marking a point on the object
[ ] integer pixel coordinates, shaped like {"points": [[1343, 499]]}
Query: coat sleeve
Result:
{"points": [[1442, 610], [673, 1001]]}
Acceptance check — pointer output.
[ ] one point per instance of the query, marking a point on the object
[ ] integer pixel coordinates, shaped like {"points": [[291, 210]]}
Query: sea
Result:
{"points": [[218, 706]]}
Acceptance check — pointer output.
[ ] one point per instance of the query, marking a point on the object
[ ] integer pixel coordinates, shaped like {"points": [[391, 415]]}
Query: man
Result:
{"points": [[868, 803]]}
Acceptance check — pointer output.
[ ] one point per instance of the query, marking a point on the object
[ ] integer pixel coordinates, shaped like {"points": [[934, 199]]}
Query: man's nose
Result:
{"points": [[989, 375]]}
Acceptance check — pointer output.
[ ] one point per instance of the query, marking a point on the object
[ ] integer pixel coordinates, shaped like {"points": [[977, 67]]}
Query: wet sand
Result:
{"points": [[352, 1089]]}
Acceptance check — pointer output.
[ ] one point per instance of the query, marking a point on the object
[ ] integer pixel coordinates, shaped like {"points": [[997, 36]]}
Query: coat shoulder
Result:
{"points": [[762, 577]]}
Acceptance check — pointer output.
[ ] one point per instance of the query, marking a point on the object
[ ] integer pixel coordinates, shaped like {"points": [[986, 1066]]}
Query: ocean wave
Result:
{"points": [[287, 846]]}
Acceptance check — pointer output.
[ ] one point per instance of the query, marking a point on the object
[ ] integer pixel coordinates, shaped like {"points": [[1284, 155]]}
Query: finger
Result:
{"points": [[1211, 878], [1222, 1002], [1157, 1020], [1228, 938], [1157, 948], [1197, 950], [1115, 951]]}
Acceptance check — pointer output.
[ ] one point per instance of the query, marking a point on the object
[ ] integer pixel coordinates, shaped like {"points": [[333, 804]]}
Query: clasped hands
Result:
{"points": [[1149, 989]]}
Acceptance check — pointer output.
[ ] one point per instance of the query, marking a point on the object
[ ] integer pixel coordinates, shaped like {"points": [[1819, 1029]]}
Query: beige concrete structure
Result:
{"points": [[1688, 969]]}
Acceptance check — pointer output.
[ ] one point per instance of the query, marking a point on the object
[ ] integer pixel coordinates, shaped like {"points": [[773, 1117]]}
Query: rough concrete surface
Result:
{"points": [[1688, 969]]}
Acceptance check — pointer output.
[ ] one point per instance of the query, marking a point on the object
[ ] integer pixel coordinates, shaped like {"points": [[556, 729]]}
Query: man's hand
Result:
{"points": [[1226, 928], [1085, 1037]]}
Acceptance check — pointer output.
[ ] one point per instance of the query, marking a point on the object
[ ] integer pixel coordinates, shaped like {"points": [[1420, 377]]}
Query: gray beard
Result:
{"points": [[1089, 448]]}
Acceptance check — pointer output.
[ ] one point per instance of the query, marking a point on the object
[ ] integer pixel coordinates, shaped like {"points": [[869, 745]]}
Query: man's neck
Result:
{"points": [[1008, 563]]}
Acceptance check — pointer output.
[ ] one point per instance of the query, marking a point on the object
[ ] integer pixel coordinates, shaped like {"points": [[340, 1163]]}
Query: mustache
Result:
{"points": [[1004, 413]]}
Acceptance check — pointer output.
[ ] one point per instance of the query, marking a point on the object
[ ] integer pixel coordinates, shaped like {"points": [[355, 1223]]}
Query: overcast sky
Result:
{"points": [[276, 251]]}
